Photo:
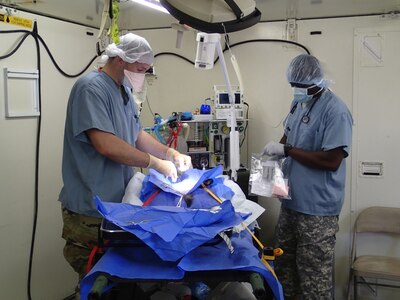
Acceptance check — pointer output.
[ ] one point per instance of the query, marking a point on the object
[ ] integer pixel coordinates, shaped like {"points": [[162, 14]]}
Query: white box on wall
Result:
{"points": [[21, 93]]}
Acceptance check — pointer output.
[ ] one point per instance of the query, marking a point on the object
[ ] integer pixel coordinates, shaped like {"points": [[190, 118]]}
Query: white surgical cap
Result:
{"points": [[305, 69], [132, 48]]}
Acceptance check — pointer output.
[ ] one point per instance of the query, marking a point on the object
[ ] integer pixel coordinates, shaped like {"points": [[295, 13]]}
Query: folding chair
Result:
{"points": [[369, 269]]}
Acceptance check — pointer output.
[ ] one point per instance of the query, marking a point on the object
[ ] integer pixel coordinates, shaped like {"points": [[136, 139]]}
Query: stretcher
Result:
{"points": [[176, 244], [130, 261]]}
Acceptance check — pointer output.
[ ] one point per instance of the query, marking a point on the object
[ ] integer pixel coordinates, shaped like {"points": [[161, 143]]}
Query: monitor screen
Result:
{"points": [[224, 98]]}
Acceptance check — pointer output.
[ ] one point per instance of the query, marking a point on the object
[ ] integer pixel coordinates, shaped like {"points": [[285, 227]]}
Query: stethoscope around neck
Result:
{"points": [[306, 117]]}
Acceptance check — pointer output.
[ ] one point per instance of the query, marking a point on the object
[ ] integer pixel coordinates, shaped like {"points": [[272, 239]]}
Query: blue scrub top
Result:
{"points": [[314, 191], [95, 102]]}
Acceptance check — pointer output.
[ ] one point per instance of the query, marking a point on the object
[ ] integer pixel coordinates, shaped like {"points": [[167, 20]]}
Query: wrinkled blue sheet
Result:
{"points": [[187, 184], [170, 231], [134, 263]]}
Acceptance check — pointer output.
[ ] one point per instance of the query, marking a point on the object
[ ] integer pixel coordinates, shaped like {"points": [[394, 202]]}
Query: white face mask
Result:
{"points": [[136, 80]]}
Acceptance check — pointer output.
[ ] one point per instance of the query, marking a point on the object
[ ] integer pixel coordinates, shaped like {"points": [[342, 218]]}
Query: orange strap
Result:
{"points": [[248, 229]]}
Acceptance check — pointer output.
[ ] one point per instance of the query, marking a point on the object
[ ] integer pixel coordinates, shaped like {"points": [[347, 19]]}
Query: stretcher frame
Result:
{"points": [[121, 238]]}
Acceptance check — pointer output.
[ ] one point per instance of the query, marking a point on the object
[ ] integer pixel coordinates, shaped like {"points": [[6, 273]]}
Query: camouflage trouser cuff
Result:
{"points": [[81, 235]]}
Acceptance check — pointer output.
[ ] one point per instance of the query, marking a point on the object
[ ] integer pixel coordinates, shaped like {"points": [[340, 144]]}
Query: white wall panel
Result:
{"points": [[376, 107], [52, 277]]}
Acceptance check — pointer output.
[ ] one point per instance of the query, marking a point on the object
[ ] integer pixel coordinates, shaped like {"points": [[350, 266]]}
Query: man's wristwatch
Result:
{"points": [[286, 149]]}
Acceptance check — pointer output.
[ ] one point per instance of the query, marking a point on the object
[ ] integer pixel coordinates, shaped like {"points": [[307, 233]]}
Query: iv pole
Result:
{"points": [[205, 60]]}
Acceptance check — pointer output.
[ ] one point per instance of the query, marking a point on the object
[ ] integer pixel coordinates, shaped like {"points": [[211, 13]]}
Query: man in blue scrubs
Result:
{"points": [[103, 142], [316, 141]]}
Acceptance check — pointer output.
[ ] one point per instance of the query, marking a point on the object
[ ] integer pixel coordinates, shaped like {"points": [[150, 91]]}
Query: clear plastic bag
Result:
{"points": [[266, 177]]}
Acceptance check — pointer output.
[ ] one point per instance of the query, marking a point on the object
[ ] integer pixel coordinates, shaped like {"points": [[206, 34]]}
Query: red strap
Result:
{"points": [[151, 198], [169, 139], [91, 257], [96, 249]]}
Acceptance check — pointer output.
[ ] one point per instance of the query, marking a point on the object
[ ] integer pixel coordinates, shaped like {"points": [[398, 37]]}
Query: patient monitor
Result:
{"points": [[222, 105]]}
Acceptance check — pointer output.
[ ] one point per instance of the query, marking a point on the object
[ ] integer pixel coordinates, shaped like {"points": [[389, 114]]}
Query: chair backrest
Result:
{"points": [[379, 219]]}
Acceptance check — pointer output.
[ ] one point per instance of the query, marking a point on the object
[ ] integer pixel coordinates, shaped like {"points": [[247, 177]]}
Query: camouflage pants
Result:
{"points": [[81, 234], [306, 266]]}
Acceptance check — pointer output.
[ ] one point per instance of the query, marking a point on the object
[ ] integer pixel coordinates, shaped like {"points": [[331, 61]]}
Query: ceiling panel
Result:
{"points": [[135, 16], [87, 12]]}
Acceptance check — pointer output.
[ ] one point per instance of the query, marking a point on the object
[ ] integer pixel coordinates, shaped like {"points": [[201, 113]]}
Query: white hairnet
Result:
{"points": [[132, 48], [305, 69]]}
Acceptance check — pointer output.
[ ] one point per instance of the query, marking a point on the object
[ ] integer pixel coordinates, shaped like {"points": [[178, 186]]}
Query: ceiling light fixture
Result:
{"points": [[154, 4], [214, 16]]}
